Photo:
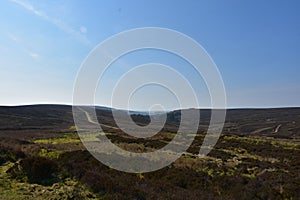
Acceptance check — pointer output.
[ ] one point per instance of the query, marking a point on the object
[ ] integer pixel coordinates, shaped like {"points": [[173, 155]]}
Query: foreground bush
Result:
{"points": [[35, 170]]}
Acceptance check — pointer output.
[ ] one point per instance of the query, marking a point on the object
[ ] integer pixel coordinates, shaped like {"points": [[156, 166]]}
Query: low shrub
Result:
{"points": [[35, 170]]}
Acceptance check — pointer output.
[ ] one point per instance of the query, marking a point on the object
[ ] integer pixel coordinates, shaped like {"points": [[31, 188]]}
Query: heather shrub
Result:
{"points": [[35, 170]]}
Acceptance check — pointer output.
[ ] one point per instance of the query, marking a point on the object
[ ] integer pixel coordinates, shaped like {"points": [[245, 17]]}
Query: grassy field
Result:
{"points": [[239, 165], [52, 163], [11, 188]]}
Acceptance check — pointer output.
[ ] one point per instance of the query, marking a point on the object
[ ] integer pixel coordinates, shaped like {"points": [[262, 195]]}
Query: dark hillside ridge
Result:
{"points": [[279, 122]]}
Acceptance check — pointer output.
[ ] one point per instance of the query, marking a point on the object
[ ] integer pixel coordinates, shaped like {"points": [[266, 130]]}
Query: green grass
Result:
{"points": [[273, 141], [11, 189], [50, 153], [243, 153], [63, 140]]}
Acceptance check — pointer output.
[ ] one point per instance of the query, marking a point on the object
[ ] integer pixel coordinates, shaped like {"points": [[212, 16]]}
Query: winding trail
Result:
{"points": [[277, 128], [92, 121]]}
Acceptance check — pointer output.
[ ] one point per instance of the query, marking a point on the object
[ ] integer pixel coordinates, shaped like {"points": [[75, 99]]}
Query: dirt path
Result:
{"points": [[261, 130], [89, 118], [277, 128]]}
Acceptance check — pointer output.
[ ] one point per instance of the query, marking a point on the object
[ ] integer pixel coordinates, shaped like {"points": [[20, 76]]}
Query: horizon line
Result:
{"points": [[104, 106]]}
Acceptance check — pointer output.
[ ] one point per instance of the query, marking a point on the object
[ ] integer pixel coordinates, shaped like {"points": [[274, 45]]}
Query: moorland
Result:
{"points": [[256, 157]]}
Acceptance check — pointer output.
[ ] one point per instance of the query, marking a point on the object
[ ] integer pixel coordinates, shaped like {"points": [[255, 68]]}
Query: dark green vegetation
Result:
{"points": [[256, 157]]}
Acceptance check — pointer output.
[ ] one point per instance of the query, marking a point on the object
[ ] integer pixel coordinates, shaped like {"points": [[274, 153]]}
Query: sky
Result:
{"points": [[255, 45]]}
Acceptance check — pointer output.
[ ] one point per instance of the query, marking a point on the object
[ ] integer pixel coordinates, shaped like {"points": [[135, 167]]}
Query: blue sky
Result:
{"points": [[255, 44]]}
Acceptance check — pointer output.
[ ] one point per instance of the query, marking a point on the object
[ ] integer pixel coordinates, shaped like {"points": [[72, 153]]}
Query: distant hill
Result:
{"points": [[279, 122]]}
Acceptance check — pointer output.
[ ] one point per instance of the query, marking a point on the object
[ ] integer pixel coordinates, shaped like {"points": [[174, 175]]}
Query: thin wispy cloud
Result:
{"points": [[33, 55], [78, 35], [14, 38], [18, 42]]}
